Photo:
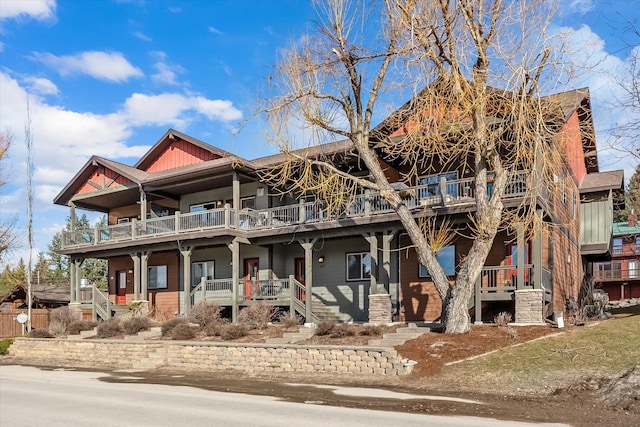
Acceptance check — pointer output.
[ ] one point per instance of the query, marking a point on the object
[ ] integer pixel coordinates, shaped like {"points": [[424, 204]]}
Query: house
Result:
{"points": [[619, 277], [44, 296], [190, 222]]}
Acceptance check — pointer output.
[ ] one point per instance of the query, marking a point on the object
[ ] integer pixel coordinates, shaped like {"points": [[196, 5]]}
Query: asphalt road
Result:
{"points": [[31, 396]]}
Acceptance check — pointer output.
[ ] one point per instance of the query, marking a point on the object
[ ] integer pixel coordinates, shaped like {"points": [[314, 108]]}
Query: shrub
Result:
{"points": [[63, 316], [183, 331], [257, 316], [57, 328], [136, 324], [324, 328], [4, 346], [78, 326], [214, 329], [342, 330], [204, 313], [371, 331], [168, 326], [39, 333], [110, 328], [502, 319], [290, 321], [233, 331]]}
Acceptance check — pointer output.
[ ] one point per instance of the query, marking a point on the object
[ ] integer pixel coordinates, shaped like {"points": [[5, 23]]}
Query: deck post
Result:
{"points": [[78, 263], [227, 216], [73, 297], [373, 251], [478, 300], [136, 276], [537, 256], [186, 279], [234, 247], [307, 245], [443, 189], [144, 280], [367, 202], [302, 215], [176, 225], [292, 293], [520, 252], [236, 191], [203, 288]]}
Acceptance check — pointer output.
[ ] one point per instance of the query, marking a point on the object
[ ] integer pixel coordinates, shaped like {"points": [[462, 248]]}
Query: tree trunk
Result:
{"points": [[455, 310]]}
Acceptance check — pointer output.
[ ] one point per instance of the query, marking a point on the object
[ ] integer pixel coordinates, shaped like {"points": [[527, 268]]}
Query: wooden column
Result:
{"points": [[78, 275], [373, 250], [143, 206], [186, 279], [144, 280], [136, 276], [73, 297], [520, 251], [385, 272], [236, 193], [537, 256], [234, 247], [307, 245]]}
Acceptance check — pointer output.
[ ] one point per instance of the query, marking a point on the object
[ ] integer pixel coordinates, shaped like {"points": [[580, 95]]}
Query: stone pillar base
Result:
{"points": [[529, 305], [143, 308], [379, 308], [76, 310]]}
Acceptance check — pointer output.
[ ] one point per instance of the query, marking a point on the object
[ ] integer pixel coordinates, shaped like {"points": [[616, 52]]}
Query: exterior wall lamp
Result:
{"points": [[320, 259]]}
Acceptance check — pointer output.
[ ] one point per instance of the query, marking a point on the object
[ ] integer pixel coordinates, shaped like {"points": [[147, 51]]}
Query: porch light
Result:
{"points": [[320, 259], [260, 192]]}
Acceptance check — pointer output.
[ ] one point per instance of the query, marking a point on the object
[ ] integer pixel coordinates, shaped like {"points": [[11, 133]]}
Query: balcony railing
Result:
{"points": [[446, 193], [616, 275]]}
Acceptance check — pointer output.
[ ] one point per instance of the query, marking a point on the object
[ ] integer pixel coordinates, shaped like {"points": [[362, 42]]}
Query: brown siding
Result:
{"points": [[163, 301], [180, 153], [131, 211]]}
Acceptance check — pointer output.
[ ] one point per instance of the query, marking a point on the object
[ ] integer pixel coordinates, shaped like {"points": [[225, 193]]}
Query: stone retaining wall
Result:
{"points": [[248, 358]]}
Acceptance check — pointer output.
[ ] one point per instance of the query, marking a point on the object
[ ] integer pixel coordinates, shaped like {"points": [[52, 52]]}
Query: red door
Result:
{"points": [[300, 277], [121, 288], [251, 273]]}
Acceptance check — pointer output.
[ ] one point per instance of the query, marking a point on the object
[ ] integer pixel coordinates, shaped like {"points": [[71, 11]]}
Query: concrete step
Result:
{"points": [[292, 337], [399, 337], [83, 334], [152, 333]]}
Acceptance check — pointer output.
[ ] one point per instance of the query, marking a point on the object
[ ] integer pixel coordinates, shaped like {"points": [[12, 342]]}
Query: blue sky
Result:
{"points": [[110, 77]]}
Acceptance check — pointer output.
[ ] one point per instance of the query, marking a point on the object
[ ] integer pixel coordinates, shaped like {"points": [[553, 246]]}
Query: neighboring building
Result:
{"points": [[620, 277], [44, 296], [190, 222]]}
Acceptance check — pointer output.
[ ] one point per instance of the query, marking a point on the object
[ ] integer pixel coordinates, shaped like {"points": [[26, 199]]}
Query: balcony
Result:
{"points": [[616, 275], [444, 194]]}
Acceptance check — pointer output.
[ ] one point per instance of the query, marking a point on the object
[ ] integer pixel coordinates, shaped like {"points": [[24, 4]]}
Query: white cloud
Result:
{"points": [[215, 30], [40, 10], [172, 108], [41, 86], [142, 36], [166, 73], [605, 74], [110, 66], [580, 6]]}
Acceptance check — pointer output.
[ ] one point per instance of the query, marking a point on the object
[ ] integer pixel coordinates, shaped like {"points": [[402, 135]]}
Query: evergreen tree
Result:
{"points": [[93, 269], [632, 198]]}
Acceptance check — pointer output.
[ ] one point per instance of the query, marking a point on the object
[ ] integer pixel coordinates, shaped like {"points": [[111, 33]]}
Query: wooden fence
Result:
{"points": [[10, 327]]}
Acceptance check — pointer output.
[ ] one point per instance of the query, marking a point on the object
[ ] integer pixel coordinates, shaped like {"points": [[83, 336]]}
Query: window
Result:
{"points": [[248, 202], [204, 206], [575, 206], [616, 270], [123, 220], [617, 246], [358, 266], [447, 259], [432, 183], [201, 269], [637, 244], [633, 269], [157, 277]]}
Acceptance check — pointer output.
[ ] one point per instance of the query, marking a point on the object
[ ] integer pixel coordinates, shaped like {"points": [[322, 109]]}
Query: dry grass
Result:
{"points": [[594, 351]]}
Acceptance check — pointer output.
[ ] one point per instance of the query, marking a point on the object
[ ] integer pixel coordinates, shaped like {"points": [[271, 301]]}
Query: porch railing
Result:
{"points": [[615, 275], [503, 278], [454, 192], [212, 290]]}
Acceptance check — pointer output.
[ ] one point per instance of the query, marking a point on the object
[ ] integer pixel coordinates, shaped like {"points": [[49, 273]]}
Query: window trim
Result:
{"points": [[161, 280], [244, 199], [423, 273], [362, 255]]}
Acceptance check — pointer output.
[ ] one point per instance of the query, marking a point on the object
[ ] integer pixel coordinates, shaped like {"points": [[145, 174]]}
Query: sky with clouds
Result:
{"points": [[110, 77]]}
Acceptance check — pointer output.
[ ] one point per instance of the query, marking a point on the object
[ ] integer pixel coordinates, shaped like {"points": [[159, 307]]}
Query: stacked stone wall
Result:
{"points": [[248, 358]]}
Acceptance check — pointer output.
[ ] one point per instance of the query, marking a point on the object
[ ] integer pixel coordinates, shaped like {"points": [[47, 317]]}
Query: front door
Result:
{"points": [[251, 276], [300, 271], [121, 288]]}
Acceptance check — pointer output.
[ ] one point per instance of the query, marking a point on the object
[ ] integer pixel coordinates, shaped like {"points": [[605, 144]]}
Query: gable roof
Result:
{"points": [[602, 181], [167, 139], [134, 175]]}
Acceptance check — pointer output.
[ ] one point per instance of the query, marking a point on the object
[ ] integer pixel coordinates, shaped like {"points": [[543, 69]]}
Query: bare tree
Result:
{"points": [[29, 145], [626, 133], [474, 70], [8, 239]]}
